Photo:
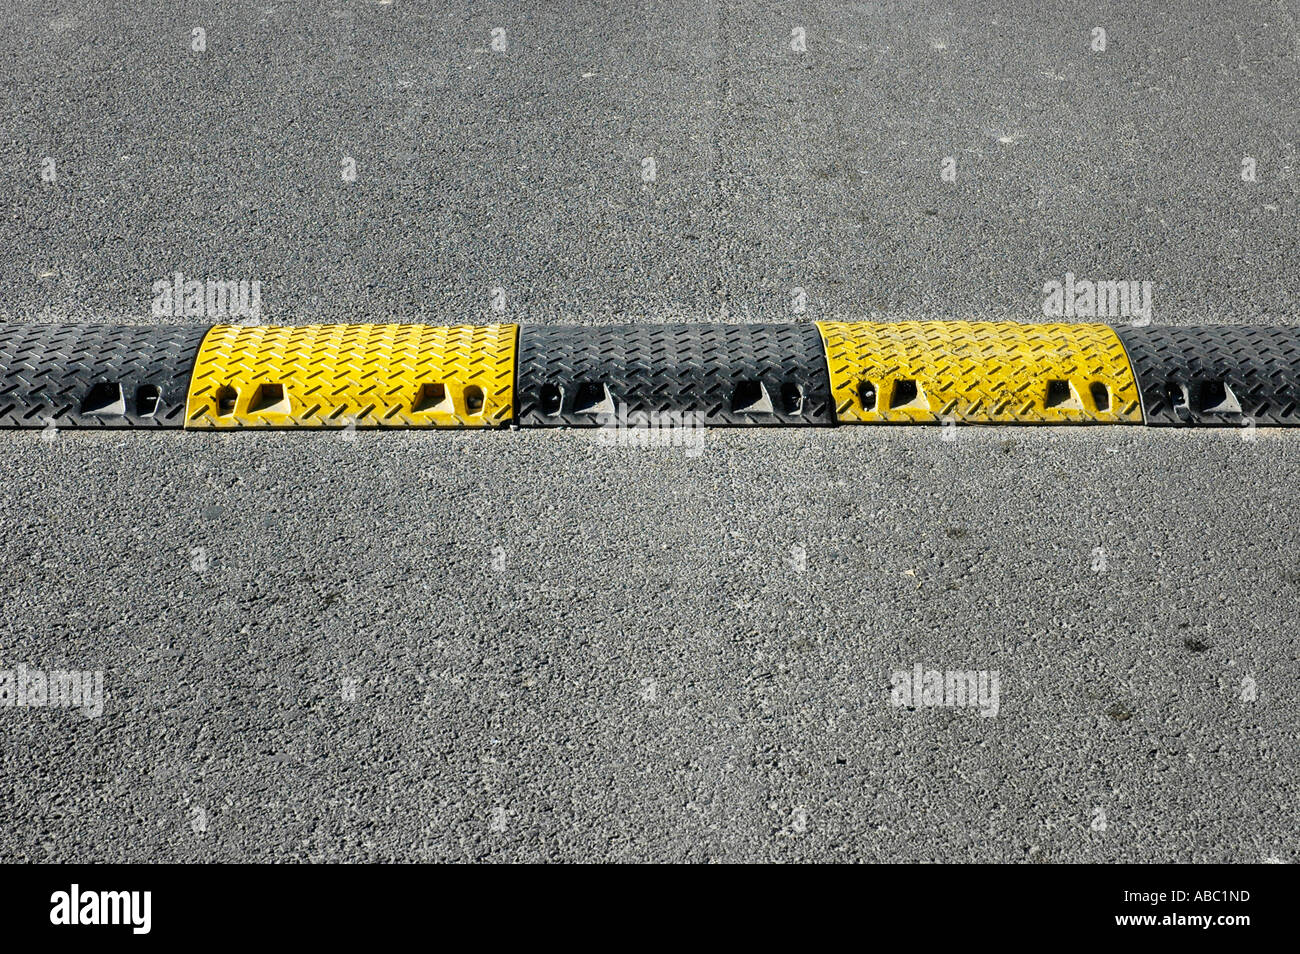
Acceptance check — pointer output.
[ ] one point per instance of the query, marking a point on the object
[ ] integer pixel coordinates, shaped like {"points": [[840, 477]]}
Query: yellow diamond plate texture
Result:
{"points": [[354, 375], [978, 372]]}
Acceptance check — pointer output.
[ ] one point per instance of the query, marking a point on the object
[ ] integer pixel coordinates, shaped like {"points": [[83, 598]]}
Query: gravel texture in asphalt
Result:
{"points": [[525, 645]]}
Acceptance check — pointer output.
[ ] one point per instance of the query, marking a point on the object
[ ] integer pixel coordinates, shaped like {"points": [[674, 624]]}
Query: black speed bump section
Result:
{"points": [[95, 375], [1216, 375], [726, 375]]}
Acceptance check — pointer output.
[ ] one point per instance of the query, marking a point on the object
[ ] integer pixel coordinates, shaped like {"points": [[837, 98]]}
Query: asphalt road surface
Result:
{"points": [[523, 645]]}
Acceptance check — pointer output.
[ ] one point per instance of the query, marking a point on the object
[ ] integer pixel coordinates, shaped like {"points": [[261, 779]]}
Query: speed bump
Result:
{"points": [[72, 375], [360, 375], [722, 375], [1216, 374], [979, 372], [486, 376]]}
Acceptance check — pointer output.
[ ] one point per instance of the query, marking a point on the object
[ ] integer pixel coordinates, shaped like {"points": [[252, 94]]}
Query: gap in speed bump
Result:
{"points": [[354, 375]]}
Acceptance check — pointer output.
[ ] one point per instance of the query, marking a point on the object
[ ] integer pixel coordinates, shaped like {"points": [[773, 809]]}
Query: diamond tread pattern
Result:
{"points": [[979, 372], [359, 375], [725, 375], [1216, 375], [69, 375]]}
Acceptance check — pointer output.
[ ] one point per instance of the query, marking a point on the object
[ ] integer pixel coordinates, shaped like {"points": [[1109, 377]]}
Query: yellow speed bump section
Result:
{"points": [[978, 372], [354, 375]]}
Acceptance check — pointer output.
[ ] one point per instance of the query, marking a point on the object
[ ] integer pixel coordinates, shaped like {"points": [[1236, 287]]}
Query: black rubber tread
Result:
{"points": [[95, 375], [1216, 374], [727, 375]]}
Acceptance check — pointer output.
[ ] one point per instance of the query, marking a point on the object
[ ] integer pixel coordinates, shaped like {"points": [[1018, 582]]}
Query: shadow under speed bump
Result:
{"points": [[1216, 374], [979, 372], [65, 375], [720, 375], [354, 376]]}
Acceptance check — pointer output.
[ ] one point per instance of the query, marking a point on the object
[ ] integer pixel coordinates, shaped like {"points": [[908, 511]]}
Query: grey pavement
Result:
{"points": [[523, 646]]}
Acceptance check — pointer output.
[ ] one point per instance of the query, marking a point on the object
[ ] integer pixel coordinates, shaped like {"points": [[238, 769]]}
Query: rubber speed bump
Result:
{"points": [[397, 375], [724, 375], [979, 372], [354, 375], [95, 375], [1216, 375]]}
